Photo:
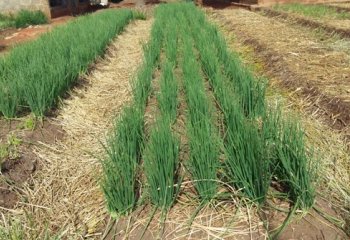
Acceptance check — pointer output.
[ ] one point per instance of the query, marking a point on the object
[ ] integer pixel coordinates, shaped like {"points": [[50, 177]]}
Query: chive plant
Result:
{"points": [[248, 142], [161, 164], [124, 147], [258, 143], [167, 99], [161, 154], [204, 152], [38, 72], [245, 165], [250, 93], [152, 50], [293, 168], [120, 166]]}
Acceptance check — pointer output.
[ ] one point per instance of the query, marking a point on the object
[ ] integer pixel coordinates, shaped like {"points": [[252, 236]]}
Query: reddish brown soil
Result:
{"points": [[12, 37], [16, 171], [311, 226]]}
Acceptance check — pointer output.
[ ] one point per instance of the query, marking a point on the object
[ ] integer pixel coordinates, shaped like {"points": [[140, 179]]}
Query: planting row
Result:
{"points": [[34, 75], [256, 147], [125, 143]]}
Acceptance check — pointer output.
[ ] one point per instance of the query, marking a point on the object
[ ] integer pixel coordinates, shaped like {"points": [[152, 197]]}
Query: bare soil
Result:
{"points": [[16, 170], [309, 226]]}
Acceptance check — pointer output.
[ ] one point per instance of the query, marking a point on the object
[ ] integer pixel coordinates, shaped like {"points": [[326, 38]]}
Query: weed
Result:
{"points": [[6, 21], [139, 15], [9, 150], [25, 18]]}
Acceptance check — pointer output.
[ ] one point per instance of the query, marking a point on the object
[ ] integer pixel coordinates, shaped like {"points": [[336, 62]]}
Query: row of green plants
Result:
{"points": [[204, 149], [260, 146], [161, 155], [23, 18], [245, 167], [257, 146], [34, 75], [125, 143]]}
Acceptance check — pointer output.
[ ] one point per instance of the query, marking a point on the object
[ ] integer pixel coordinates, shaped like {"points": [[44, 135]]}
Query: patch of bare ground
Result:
{"points": [[332, 153], [18, 138], [331, 26], [64, 196]]}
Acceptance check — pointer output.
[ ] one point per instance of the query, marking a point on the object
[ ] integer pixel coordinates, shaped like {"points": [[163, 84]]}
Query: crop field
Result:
{"points": [[175, 121], [43, 78]]}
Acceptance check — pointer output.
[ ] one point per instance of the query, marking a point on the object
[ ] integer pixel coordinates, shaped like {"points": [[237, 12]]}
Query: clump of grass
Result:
{"points": [[6, 21], [139, 15], [12, 230], [120, 166], [25, 18], [32, 78], [316, 10], [22, 19]]}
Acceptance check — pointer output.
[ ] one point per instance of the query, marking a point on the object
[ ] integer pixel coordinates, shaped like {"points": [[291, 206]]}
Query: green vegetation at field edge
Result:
{"points": [[23, 18], [316, 11]]}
